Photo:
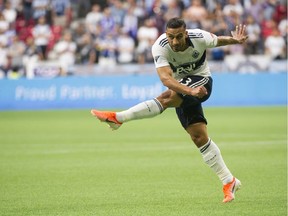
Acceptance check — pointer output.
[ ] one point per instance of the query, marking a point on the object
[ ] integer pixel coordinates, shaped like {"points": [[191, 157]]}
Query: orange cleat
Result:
{"points": [[107, 117], [230, 189]]}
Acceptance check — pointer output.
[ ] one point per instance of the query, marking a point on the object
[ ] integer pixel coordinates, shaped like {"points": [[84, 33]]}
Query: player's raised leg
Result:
{"points": [[146, 109], [108, 117]]}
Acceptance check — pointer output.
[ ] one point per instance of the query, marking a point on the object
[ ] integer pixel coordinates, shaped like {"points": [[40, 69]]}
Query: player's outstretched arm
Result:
{"points": [[239, 36]]}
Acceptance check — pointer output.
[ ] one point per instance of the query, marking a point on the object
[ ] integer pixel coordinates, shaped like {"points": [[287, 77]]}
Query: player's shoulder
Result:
{"points": [[196, 33], [161, 41]]}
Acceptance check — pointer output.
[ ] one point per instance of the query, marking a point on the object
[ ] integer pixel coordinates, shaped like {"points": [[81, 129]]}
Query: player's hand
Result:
{"points": [[199, 92], [240, 34]]}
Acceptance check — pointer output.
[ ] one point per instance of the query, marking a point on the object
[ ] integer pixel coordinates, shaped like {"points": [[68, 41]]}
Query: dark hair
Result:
{"points": [[175, 23]]}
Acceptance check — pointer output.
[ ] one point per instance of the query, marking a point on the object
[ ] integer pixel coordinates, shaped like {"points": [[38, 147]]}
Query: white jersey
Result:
{"points": [[191, 61]]}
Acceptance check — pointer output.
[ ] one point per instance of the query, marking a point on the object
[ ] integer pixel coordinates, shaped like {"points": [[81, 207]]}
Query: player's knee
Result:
{"points": [[198, 133], [169, 98], [198, 139]]}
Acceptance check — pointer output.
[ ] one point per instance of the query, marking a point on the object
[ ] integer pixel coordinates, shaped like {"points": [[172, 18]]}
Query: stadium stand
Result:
{"points": [[115, 17]]}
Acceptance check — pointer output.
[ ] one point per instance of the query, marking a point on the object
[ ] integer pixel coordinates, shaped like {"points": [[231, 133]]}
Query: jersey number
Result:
{"points": [[187, 81]]}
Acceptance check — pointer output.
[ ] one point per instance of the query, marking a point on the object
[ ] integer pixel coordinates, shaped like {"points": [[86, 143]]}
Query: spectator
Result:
{"points": [[156, 11], [267, 27], [211, 5], [280, 11], [255, 10], [78, 31], [28, 11], [159, 21], [158, 7], [42, 33], [275, 45], [130, 23], [30, 57], [182, 5], [81, 8], [146, 36], [4, 65], [65, 50], [173, 10], [138, 7], [118, 12], [218, 27], [15, 53], [4, 41], [61, 12], [233, 12], [283, 28], [269, 7], [125, 47], [87, 53], [233, 9], [9, 14], [102, 3], [253, 31], [92, 20], [196, 12], [191, 24], [16, 4], [40, 8], [107, 23], [4, 24], [108, 48]]}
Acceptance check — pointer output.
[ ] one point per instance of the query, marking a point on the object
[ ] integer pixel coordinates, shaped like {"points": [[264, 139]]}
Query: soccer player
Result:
{"points": [[180, 59]]}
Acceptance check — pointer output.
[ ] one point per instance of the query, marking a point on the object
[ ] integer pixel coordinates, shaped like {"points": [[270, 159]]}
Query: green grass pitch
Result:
{"points": [[68, 163]]}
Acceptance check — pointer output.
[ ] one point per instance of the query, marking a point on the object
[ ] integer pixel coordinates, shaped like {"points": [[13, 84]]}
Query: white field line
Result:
{"points": [[167, 146], [192, 146]]}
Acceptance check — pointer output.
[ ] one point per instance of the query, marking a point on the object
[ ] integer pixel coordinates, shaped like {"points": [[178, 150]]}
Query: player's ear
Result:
{"points": [[186, 34]]}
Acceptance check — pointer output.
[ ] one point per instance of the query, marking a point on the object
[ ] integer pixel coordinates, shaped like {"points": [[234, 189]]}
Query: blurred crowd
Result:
{"points": [[110, 32]]}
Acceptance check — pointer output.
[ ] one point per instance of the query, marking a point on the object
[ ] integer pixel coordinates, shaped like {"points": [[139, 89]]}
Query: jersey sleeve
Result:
{"points": [[159, 55], [210, 39]]}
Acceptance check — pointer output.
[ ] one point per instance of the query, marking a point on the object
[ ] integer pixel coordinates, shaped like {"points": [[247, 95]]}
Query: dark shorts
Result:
{"points": [[191, 111]]}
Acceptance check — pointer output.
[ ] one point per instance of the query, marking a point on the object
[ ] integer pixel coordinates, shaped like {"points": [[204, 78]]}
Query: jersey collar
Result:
{"points": [[189, 42]]}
